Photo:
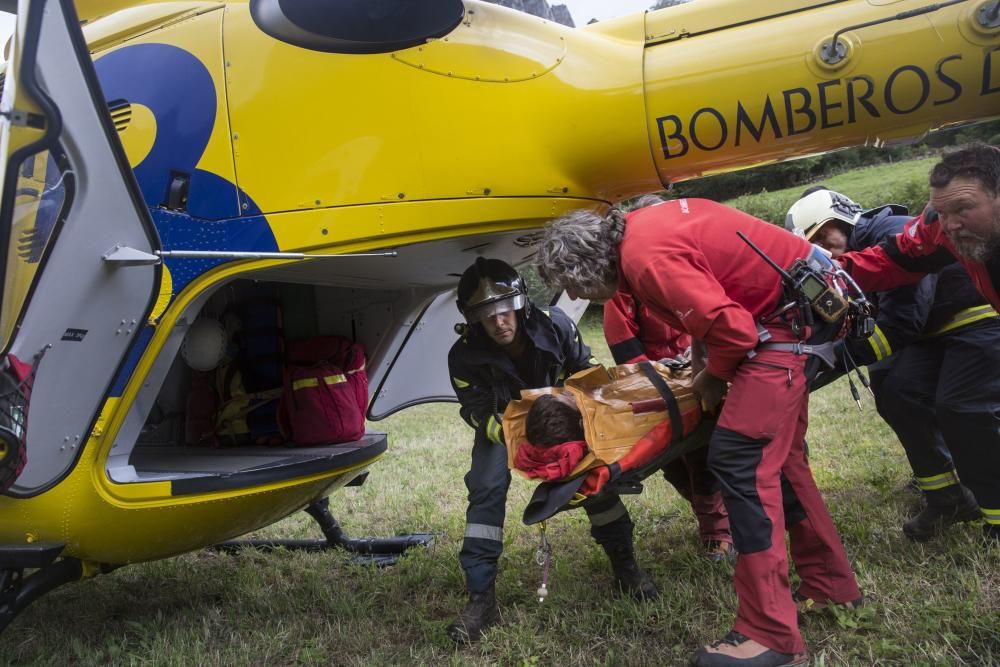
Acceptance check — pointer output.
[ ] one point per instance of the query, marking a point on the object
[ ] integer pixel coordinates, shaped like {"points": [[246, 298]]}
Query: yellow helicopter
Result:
{"points": [[166, 161]]}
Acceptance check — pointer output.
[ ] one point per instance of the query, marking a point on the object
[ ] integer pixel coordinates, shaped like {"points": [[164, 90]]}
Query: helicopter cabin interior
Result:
{"points": [[400, 309]]}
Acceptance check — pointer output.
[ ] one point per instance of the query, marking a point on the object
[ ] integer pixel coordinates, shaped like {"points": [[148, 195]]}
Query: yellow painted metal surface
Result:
{"points": [[685, 20], [759, 93], [320, 129], [90, 10], [143, 522], [200, 34], [381, 225], [133, 22], [470, 51]]}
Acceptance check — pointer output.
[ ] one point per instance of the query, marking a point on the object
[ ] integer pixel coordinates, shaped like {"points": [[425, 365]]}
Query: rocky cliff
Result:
{"points": [[557, 13]]}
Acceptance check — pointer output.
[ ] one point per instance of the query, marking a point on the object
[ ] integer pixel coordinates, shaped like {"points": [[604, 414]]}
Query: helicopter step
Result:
{"points": [[195, 470], [18, 591], [378, 551]]}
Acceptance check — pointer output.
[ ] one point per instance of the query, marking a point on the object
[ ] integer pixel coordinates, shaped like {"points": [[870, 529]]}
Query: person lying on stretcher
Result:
{"points": [[603, 423], [555, 441]]}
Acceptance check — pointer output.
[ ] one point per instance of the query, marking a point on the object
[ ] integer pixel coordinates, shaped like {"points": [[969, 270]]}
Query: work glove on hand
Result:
{"points": [[710, 389]]}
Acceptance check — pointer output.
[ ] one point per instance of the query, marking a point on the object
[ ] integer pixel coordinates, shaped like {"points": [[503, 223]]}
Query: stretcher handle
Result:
{"points": [[648, 405]]}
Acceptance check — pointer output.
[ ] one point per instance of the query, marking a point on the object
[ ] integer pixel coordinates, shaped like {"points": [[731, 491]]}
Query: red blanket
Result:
{"points": [[551, 462]]}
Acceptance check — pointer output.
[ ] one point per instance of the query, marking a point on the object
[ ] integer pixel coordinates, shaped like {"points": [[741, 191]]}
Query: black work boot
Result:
{"points": [[479, 613], [945, 507], [629, 577]]}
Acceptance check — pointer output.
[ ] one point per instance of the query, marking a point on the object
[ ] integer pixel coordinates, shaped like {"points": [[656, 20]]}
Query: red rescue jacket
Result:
{"points": [[634, 334], [684, 261], [922, 247]]}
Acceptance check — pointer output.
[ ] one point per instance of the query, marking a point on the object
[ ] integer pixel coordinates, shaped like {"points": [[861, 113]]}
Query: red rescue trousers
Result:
{"points": [[695, 483], [757, 452]]}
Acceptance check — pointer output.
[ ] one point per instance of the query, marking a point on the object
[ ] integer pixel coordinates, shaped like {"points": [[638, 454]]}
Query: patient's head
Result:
{"points": [[552, 420]]}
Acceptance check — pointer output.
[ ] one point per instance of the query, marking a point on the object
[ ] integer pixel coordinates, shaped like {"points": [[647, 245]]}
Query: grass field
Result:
{"points": [[930, 604], [901, 183]]}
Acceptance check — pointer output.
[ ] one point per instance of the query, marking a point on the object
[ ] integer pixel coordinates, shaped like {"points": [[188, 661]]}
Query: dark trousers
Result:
{"points": [[487, 481], [757, 452], [941, 396], [914, 421], [695, 483]]}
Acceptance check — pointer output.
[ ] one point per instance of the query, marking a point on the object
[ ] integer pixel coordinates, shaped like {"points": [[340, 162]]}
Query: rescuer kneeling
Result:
{"points": [[934, 364], [509, 345], [684, 260], [961, 221]]}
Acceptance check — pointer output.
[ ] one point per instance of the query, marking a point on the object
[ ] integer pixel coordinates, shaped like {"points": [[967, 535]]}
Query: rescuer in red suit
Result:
{"points": [[634, 334], [684, 260]]}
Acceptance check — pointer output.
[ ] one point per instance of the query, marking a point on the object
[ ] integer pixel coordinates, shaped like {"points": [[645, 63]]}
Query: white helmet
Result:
{"points": [[204, 345], [808, 215]]}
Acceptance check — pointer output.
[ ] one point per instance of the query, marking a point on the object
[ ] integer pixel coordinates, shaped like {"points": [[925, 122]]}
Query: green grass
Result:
{"points": [[901, 183], [931, 604]]}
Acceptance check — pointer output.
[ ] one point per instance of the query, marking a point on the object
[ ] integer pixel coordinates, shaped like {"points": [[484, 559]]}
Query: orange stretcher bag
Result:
{"points": [[632, 414]]}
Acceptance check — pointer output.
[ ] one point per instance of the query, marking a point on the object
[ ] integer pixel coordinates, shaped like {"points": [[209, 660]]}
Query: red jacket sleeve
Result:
{"points": [[682, 287], [904, 259], [621, 329]]}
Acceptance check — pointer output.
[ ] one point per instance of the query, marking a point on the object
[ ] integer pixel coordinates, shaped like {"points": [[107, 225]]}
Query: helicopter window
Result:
{"points": [[356, 26], [43, 193]]}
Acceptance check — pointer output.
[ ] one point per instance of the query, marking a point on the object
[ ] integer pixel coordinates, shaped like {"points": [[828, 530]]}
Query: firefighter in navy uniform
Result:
{"points": [[509, 345], [940, 389]]}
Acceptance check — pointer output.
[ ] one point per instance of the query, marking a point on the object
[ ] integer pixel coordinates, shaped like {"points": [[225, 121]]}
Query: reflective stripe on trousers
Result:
{"points": [[487, 481]]}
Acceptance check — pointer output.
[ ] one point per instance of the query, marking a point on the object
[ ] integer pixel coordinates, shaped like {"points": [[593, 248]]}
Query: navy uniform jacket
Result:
{"points": [[908, 313], [485, 379]]}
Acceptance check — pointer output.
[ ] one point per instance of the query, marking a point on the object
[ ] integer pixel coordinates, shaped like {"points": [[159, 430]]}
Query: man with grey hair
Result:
{"points": [[684, 261]]}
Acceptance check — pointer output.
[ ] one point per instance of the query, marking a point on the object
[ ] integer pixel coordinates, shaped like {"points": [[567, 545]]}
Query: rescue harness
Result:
{"points": [[816, 286]]}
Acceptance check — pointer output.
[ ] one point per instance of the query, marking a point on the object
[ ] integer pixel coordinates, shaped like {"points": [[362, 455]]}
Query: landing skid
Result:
{"points": [[18, 591], [378, 551]]}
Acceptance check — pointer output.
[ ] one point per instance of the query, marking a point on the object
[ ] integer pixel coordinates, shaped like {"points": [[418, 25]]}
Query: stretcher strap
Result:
{"points": [[676, 422]]}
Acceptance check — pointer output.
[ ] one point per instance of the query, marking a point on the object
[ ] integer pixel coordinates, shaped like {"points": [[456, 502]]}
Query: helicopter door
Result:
{"points": [[77, 249], [419, 372]]}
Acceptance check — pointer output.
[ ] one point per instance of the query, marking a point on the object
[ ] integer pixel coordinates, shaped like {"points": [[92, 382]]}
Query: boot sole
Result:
{"points": [[797, 660]]}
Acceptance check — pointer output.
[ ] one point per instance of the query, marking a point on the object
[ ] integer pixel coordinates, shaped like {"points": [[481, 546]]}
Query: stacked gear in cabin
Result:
{"points": [[485, 377], [934, 361], [251, 384], [238, 369], [205, 346]]}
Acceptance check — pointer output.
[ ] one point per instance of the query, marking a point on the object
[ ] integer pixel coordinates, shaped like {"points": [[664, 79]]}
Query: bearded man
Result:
{"points": [[962, 220]]}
